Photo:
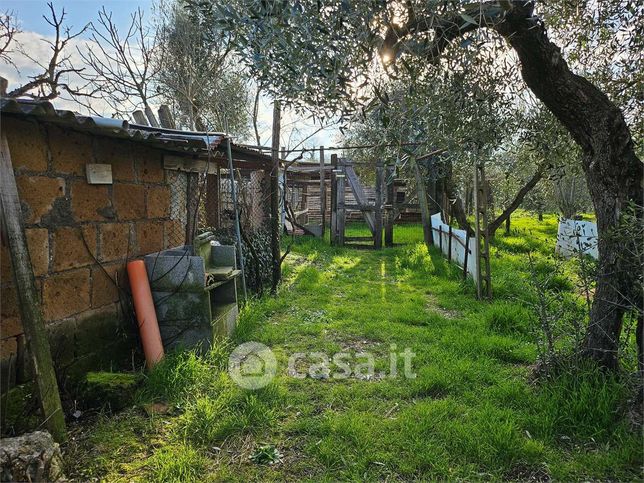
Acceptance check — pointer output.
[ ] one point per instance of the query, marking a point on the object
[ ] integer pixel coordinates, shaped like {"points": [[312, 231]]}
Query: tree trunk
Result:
{"points": [[516, 202], [613, 171]]}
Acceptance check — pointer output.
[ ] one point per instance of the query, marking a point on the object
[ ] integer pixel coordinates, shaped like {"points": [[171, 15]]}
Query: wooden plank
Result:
{"points": [[360, 196], [98, 173], [358, 238], [30, 308], [212, 200]]}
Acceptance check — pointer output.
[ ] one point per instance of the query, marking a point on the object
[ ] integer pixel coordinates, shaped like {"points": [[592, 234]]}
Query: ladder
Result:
{"points": [[484, 282]]}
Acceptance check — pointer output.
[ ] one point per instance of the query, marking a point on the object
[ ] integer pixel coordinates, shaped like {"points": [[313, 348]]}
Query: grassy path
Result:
{"points": [[470, 412]]}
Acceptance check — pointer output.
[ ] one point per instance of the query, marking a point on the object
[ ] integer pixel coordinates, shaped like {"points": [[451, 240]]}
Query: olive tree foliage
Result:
{"points": [[337, 55], [542, 141], [198, 74]]}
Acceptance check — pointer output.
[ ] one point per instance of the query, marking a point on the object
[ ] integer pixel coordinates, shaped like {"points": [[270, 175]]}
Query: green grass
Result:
{"points": [[472, 412]]}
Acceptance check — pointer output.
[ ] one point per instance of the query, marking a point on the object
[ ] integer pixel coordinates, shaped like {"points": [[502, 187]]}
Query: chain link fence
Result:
{"points": [[203, 202]]}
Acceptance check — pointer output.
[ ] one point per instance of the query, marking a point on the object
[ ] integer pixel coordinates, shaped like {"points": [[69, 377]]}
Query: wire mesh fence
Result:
{"points": [[203, 202]]}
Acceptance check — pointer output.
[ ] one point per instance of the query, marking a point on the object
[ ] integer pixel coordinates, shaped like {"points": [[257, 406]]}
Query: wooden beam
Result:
{"points": [[29, 301], [212, 200], [424, 205], [322, 191], [341, 211], [359, 194], [390, 209], [334, 199], [377, 240], [275, 201]]}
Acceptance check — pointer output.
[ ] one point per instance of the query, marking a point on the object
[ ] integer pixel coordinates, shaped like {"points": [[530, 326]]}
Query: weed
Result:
{"points": [[179, 463]]}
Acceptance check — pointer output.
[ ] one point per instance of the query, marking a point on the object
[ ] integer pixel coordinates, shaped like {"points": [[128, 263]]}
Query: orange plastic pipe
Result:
{"points": [[145, 314]]}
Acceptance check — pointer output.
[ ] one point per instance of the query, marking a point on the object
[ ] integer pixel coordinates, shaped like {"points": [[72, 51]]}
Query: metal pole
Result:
{"points": [[233, 193]]}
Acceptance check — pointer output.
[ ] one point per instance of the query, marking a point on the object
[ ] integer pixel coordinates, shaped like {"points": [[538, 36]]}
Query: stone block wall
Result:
{"points": [[79, 238]]}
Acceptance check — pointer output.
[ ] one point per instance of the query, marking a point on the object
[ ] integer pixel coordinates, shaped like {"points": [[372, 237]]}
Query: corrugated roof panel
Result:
{"points": [[168, 139]]}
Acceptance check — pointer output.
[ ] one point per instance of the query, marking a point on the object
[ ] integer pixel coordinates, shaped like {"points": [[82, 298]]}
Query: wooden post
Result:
{"points": [[341, 212], [440, 237], [322, 192], [275, 194], [139, 118], [424, 205], [467, 253], [165, 117], [284, 194], [30, 309], [377, 236], [212, 199], [334, 199], [151, 117], [390, 212], [192, 206], [449, 245]]}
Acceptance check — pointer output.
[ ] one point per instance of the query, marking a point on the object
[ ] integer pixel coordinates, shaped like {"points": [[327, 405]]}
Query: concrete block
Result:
{"points": [[149, 237], [26, 145], [70, 150], [38, 243], [158, 201], [38, 195], [69, 249], [114, 241], [129, 201], [91, 202], [66, 294]]}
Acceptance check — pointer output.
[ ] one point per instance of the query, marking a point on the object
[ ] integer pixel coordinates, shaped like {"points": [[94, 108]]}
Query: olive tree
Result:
{"points": [[334, 54]]}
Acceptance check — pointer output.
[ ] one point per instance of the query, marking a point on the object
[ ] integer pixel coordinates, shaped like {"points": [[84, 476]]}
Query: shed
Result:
{"points": [[96, 192]]}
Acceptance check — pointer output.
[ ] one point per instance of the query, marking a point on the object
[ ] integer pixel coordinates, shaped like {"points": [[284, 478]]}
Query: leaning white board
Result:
{"points": [[576, 236], [458, 247]]}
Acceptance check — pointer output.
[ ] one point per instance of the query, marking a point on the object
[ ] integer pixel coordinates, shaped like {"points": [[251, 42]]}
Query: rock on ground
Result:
{"points": [[30, 457]]}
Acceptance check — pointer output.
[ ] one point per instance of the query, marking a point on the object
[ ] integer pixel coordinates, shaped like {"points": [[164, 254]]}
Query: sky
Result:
{"points": [[78, 14]]}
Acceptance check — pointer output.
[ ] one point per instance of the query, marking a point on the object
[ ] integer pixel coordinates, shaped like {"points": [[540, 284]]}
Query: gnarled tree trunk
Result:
{"points": [[613, 171]]}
